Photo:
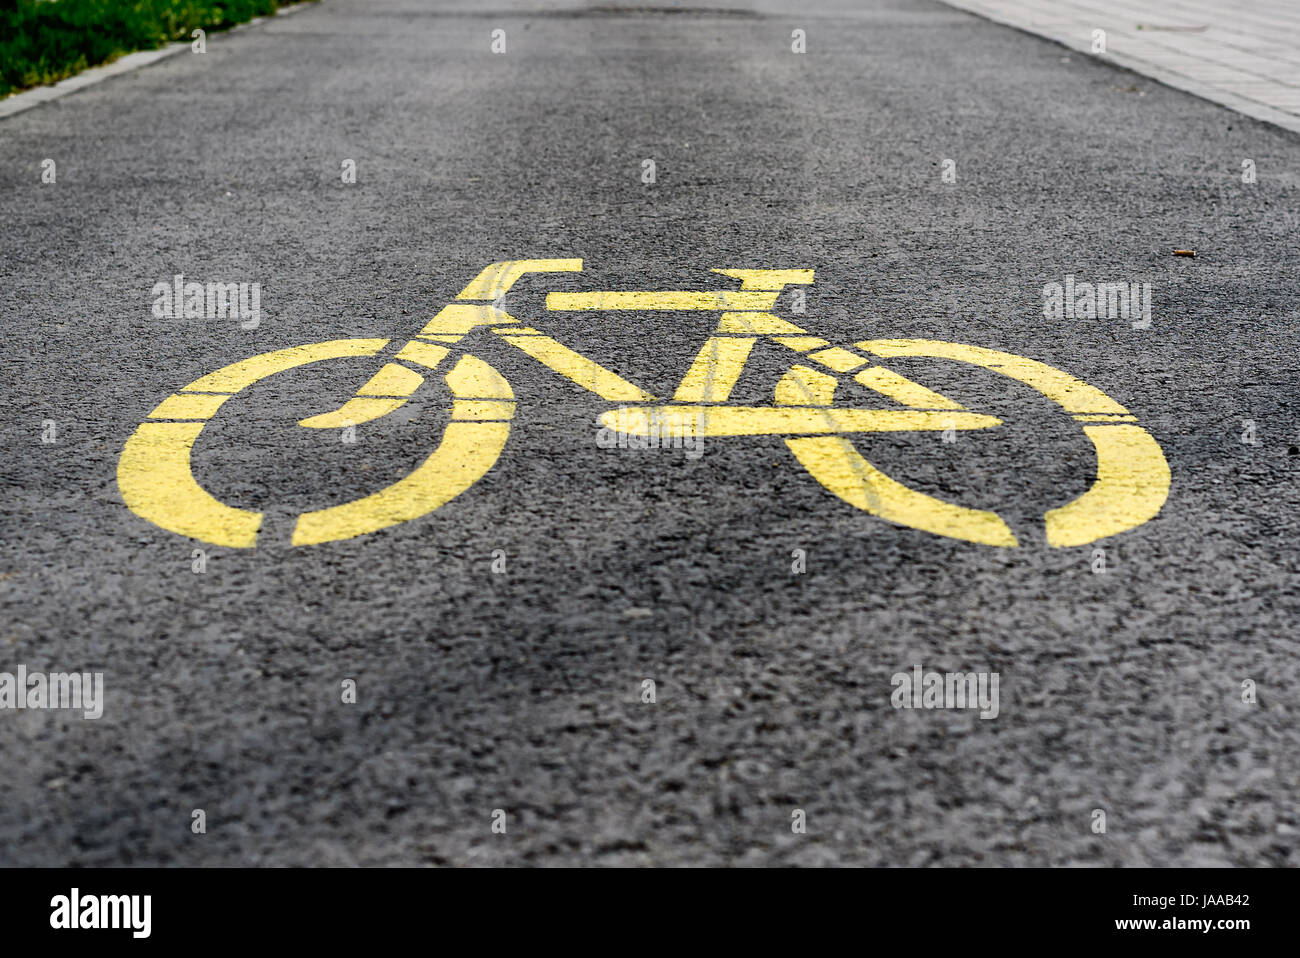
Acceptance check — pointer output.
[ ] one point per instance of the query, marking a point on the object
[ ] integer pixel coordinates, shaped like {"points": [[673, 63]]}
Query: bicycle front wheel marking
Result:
{"points": [[1130, 487], [834, 463]]}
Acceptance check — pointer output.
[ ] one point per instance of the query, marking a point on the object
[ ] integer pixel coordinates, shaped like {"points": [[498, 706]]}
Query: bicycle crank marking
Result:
{"points": [[157, 483]]}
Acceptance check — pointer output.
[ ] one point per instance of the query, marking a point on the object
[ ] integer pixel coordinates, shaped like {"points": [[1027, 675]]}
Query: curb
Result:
{"points": [[1178, 81], [27, 99]]}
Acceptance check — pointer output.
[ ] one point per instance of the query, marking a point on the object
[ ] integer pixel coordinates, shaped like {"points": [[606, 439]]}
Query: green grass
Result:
{"points": [[42, 41]]}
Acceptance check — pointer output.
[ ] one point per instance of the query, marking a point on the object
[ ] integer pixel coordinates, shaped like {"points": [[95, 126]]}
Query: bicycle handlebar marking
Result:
{"points": [[157, 483]]}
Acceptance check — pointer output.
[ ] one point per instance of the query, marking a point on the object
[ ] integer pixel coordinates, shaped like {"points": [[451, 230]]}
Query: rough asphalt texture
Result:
{"points": [[522, 691]]}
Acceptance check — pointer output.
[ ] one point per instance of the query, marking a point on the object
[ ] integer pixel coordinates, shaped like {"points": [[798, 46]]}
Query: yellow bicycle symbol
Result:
{"points": [[157, 482]]}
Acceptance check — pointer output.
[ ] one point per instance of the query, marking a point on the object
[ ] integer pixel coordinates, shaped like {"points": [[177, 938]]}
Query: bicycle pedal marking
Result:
{"points": [[156, 479]]}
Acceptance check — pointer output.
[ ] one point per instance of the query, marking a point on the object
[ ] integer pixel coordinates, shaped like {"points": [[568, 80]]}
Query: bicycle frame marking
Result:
{"points": [[156, 479]]}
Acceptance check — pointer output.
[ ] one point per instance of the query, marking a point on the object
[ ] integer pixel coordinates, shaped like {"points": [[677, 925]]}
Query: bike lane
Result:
{"points": [[948, 181]]}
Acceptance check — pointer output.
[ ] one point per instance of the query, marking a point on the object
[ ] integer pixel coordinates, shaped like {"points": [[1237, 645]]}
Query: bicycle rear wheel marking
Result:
{"points": [[156, 478], [154, 473], [470, 447]]}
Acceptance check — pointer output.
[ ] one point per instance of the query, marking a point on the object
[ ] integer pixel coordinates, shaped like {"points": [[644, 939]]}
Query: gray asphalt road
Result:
{"points": [[522, 690]]}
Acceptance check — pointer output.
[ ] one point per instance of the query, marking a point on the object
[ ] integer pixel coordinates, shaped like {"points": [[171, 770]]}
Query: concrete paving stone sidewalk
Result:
{"points": [[1246, 58]]}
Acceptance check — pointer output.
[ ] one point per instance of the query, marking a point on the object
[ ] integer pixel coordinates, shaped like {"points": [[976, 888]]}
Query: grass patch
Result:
{"points": [[42, 41]]}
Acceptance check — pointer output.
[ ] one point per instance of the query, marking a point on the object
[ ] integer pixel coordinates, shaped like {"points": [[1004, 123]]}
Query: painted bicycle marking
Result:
{"points": [[156, 479]]}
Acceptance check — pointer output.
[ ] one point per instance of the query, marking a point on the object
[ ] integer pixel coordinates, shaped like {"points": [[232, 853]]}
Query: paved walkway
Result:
{"points": [[1245, 57], [500, 644]]}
